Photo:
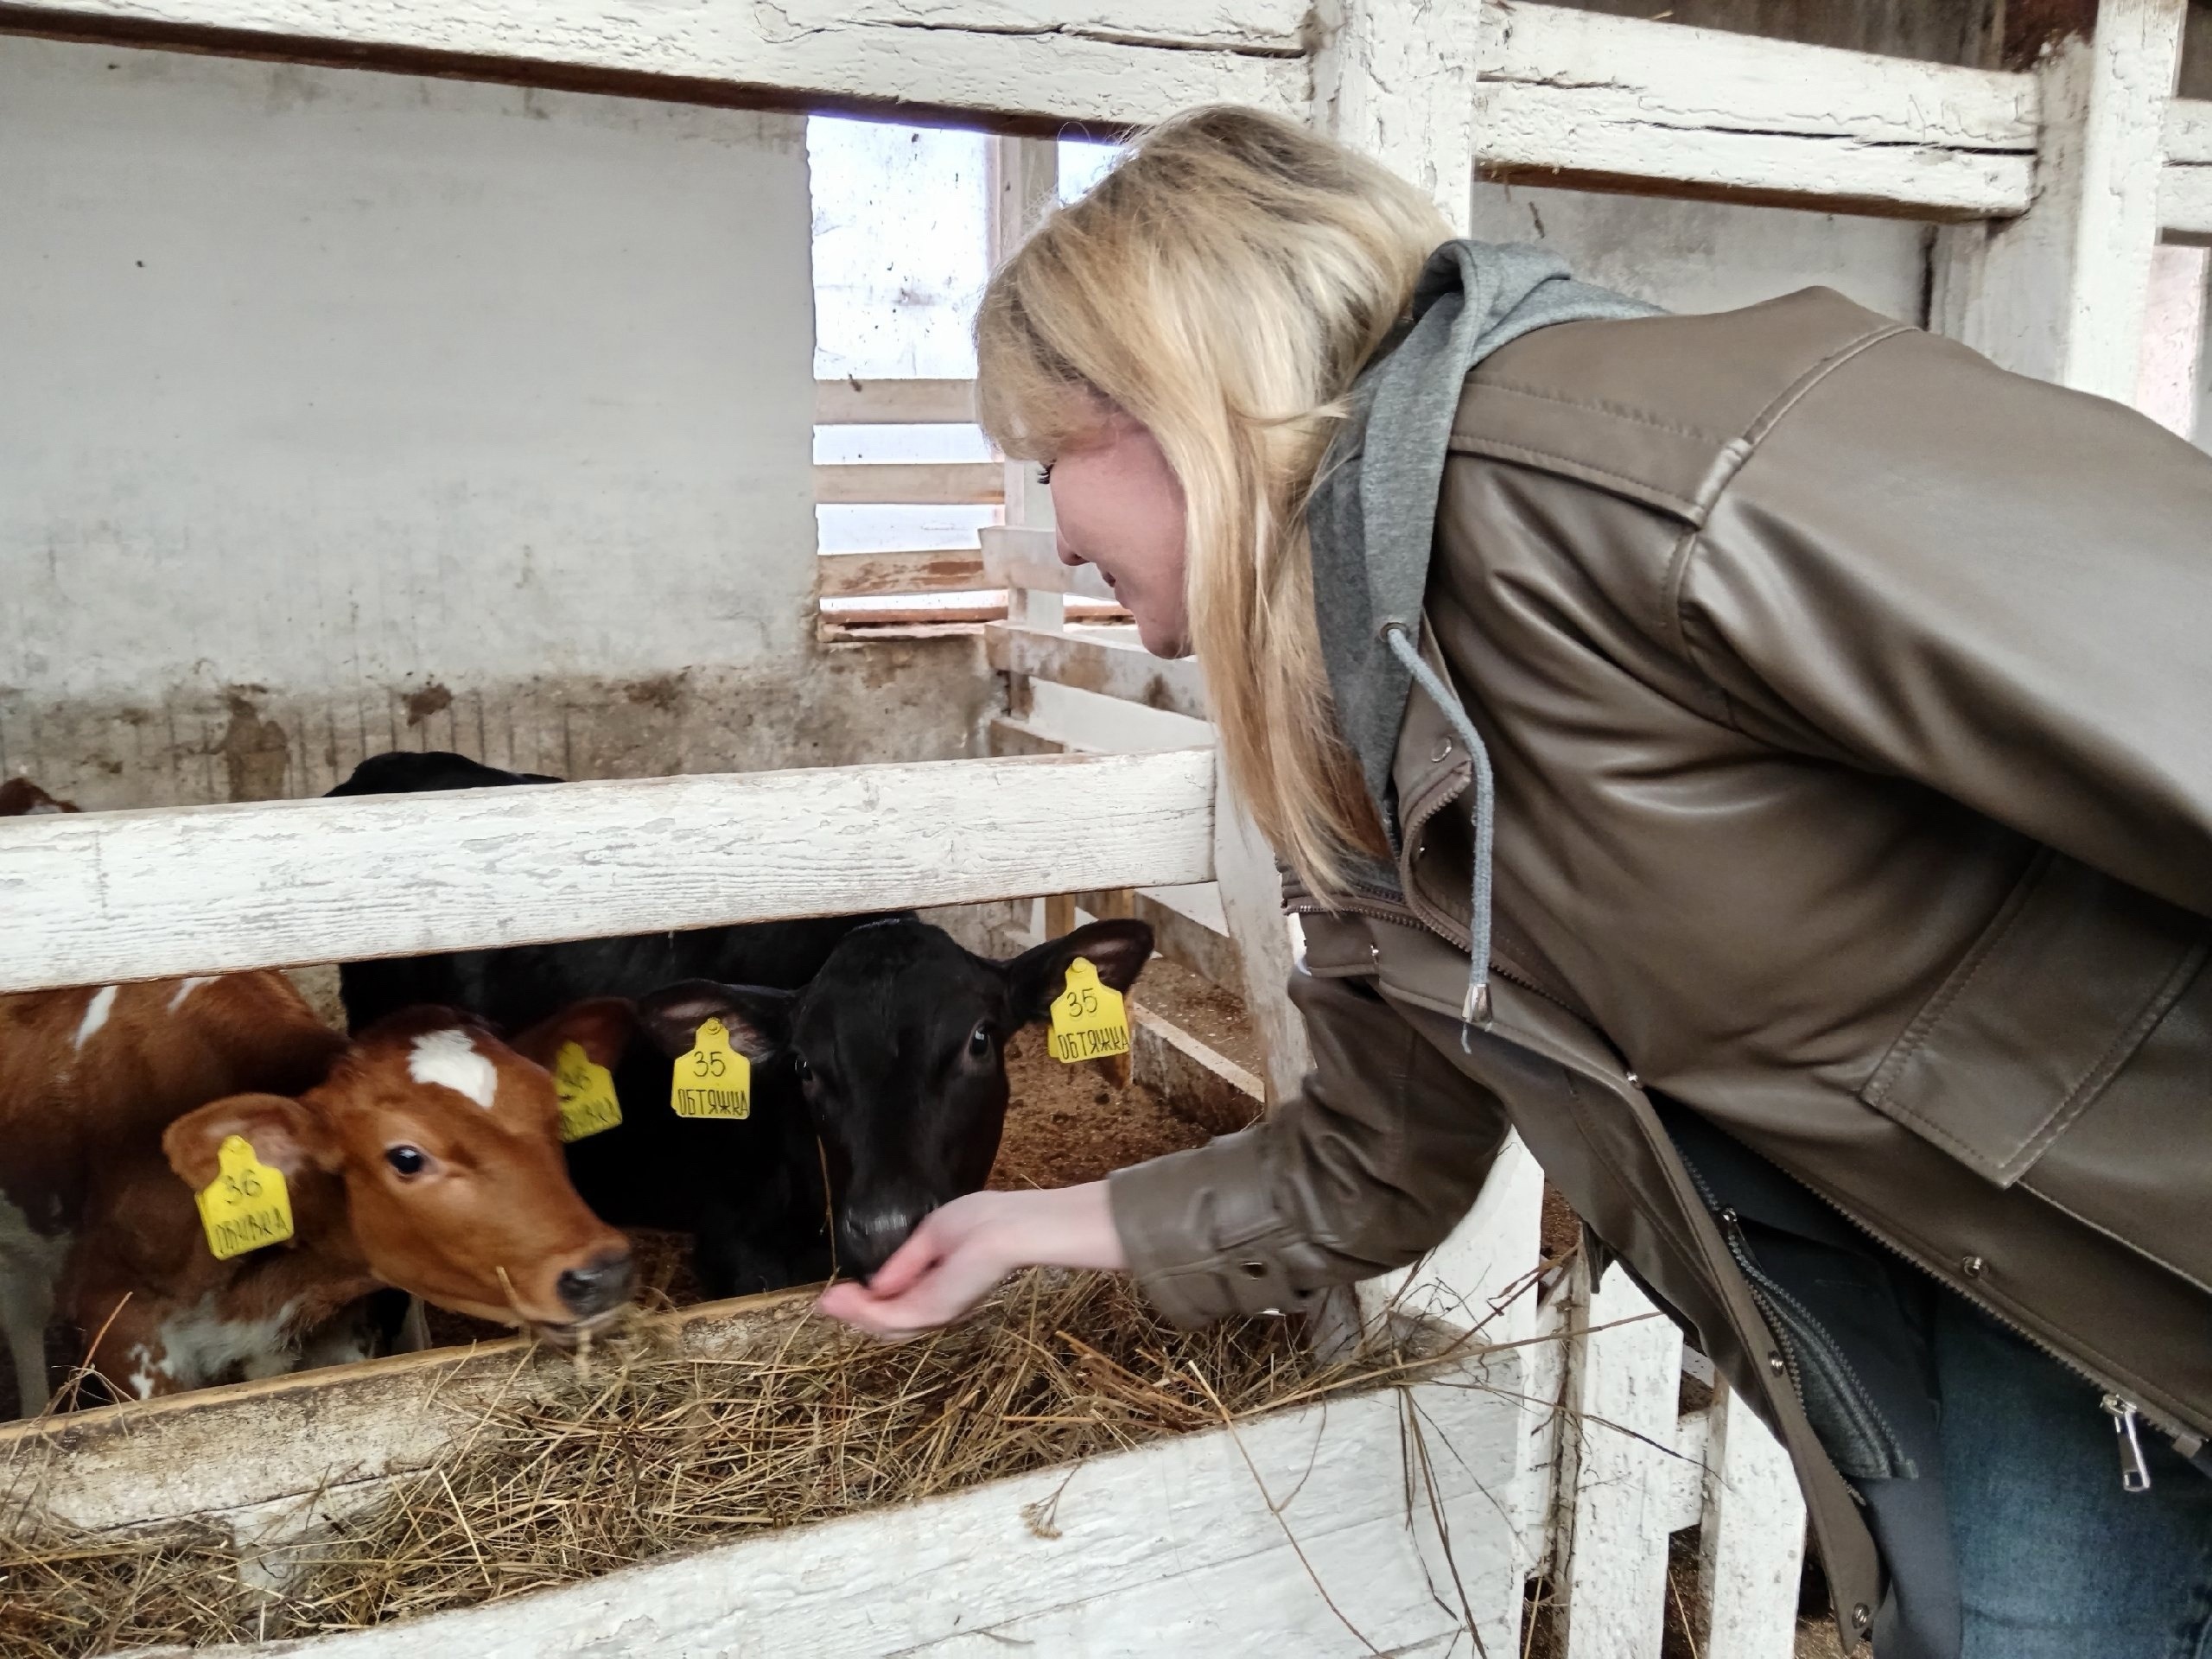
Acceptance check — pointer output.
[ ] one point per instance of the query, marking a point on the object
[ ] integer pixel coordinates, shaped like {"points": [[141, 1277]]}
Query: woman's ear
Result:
{"points": [[758, 1018], [1118, 950], [284, 1133], [602, 1027]]}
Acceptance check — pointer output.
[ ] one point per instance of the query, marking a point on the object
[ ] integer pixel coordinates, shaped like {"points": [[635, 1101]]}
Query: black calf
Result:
{"points": [[750, 1192], [898, 1046]]}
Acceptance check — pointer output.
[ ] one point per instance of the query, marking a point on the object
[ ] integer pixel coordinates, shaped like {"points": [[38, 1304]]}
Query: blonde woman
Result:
{"points": [[1763, 759]]}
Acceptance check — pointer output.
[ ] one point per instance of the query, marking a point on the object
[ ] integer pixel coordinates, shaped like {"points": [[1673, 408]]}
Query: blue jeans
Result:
{"points": [[2055, 1561]]}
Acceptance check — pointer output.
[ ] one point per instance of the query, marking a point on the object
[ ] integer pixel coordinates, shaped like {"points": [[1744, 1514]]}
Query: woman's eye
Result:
{"points": [[408, 1161], [979, 1041], [1045, 474]]}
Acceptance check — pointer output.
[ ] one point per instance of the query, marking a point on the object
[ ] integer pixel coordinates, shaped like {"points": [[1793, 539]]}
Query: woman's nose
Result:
{"points": [[1068, 555]]}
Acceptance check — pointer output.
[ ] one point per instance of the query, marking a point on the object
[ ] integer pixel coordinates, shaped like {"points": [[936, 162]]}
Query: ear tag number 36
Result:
{"points": [[713, 1080], [587, 1093], [245, 1207], [1089, 1019]]}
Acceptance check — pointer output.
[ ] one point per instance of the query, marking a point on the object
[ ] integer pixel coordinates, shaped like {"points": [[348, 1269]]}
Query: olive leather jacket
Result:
{"points": [[1850, 701]]}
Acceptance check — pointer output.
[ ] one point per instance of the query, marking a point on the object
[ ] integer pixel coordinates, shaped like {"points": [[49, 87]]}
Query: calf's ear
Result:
{"points": [[759, 1020], [284, 1135], [1118, 950], [602, 1027]]}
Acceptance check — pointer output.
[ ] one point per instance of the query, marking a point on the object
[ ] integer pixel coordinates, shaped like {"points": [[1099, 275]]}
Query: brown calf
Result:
{"points": [[87, 1075], [425, 1155], [429, 1159]]}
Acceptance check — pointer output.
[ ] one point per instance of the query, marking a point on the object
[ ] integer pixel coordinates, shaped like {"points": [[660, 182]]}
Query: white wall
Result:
{"points": [[344, 410], [1690, 255]]}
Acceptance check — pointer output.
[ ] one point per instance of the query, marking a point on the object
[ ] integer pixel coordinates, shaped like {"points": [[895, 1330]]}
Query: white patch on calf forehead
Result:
{"points": [[451, 1059], [96, 1014], [185, 987]]}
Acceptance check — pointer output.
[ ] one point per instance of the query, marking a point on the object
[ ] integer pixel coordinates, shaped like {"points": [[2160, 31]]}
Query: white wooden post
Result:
{"points": [[1751, 1541], [1623, 1384], [1024, 185], [2060, 292], [1396, 82], [1251, 904]]}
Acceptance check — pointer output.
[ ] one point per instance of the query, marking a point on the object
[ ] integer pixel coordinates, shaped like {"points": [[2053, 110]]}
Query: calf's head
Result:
{"points": [[432, 1153], [898, 1046]]}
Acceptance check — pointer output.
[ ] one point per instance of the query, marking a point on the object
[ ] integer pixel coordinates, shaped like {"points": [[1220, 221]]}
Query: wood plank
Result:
{"points": [[1752, 1547], [1207, 1087], [851, 401], [1022, 556], [1251, 902], [910, 483], [1034, 66], [1213, 1542], [862, 576], [1624, 1381], [144, 895], [186, 1455], [1089, 664], [2060, 293], [2185, 181], [1579, 97], [1397, 83]]}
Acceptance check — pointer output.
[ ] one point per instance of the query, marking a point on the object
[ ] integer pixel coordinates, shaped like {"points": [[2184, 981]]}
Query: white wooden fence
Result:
{"points": [[2055, 186]]}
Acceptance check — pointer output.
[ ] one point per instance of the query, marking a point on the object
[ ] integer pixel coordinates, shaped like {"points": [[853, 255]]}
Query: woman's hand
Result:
{"points": [[959, 1254]]}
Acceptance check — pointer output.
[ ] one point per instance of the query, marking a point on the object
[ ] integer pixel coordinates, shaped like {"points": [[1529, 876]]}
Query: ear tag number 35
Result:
{"points": [[587, 1093], [713, 1080], [245, 1207], [1089, 1019]]}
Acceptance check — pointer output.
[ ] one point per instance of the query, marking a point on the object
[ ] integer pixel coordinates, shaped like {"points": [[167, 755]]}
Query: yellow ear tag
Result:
{"points": [[1090, 1020], [713, 1080], [245, 1207], [587, 1093]]}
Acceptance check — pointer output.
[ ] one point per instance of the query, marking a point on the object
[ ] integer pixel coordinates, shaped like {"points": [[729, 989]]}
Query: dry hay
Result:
{"points": [[645, 1451]]}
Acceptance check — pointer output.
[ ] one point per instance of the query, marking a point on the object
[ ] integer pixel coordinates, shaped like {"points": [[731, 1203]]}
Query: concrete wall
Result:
{"points": [[345, 412], [1711, 255]]}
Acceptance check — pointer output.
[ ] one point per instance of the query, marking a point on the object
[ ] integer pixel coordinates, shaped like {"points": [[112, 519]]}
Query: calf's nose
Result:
{"points": [[873, 1237], [602, 1283]]}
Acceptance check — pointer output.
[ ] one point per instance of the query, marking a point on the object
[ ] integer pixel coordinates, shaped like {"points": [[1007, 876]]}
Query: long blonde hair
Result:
{"points": [[1223, 286]]}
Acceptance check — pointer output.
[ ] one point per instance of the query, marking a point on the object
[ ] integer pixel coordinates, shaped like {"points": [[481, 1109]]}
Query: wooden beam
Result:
{"points": [[1208, 1088], [858, 575], [2060, 293], [2185, 181], [116, 896], [1031, 65], [1018, 556], [1575, 96], [911, 483], [1251, 903], [1089, 664], [1397, 82], [851, 401]]}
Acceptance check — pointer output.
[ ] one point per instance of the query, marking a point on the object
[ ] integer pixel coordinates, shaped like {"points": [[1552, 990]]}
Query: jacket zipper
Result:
{"points": [[2135, 1475], [2125, 1414]]}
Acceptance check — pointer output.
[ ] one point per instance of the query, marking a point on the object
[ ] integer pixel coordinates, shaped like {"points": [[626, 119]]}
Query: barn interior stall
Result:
{"points": [[579, 388]]}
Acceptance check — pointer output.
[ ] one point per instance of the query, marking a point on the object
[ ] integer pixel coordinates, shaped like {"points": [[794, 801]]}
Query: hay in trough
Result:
{"points": [[645, 1451]]}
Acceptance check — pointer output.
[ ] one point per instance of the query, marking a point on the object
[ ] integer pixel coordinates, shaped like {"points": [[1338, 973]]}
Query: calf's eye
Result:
{"points": [[804, 1071], [979, 1041], [408, 1161]]}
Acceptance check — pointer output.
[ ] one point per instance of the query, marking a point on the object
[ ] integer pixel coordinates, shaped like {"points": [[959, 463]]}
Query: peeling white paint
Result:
{"points": [[451, 1060]]}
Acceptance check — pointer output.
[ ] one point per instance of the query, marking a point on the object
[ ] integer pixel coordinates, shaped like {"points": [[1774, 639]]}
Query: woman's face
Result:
{"points": [[1119, 508]]}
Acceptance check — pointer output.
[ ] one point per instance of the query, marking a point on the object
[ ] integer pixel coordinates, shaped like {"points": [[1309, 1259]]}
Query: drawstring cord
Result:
{"points": [[1475, 1011]]}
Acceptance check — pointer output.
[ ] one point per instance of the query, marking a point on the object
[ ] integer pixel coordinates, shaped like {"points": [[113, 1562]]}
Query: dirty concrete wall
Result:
{"points": [[345, 412], [1698, 256]]}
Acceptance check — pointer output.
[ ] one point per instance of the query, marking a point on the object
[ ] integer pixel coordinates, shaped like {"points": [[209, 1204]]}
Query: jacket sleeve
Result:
{"points": [[1373, 1161], [1990, 585]]}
